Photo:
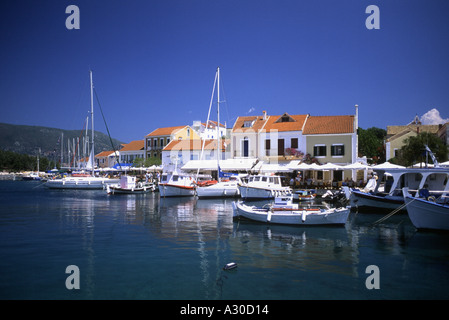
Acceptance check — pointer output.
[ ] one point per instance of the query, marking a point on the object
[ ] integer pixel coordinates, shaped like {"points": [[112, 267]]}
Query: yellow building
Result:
{"points": [[159, 138]]}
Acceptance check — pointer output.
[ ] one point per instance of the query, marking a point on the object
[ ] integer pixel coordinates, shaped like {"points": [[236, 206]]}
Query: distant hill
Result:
{"points": [[28, 139]]}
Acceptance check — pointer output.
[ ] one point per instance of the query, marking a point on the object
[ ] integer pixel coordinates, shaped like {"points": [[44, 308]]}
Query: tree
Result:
{"points": [[371, 143], [414, 149]]}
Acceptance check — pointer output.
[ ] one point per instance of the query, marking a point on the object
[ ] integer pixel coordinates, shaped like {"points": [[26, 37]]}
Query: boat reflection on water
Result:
{"points": [[326, 248]]}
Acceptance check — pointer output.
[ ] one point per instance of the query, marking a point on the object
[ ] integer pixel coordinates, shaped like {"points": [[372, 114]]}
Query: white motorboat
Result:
{"points": [[428, 213], [285, 212], [224, 188], [263, 187], [128, 185], [176, 185], [386, 191]]}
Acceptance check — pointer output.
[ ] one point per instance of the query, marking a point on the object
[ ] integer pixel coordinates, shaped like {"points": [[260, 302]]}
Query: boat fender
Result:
{"points": [[304, 215], [230, 266]]}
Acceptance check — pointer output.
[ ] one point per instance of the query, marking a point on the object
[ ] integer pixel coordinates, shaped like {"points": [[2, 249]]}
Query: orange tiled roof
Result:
{"points": [[295, 124], [104, 154], [193, 144], [164, 131], [329, 124], [133, 145], [257, 125]]}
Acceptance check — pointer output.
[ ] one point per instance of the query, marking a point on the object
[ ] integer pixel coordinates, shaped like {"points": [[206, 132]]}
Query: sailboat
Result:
{"points": [[227, 184], [83, 182]]}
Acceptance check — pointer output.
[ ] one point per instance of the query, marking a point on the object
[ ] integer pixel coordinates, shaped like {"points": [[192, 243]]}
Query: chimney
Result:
{"points": [[356, 124], [264, 115]]}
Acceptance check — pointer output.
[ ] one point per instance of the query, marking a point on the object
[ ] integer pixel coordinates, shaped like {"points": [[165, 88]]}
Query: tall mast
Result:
{"points": [[92, 117], [218, 123]]}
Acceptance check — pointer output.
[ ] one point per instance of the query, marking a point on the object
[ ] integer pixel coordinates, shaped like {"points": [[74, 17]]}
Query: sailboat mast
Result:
{"points": [[92, 118], [218, 123]]}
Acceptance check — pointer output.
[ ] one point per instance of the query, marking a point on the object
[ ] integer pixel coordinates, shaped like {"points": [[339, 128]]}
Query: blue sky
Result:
{"points": [[154, 61]]}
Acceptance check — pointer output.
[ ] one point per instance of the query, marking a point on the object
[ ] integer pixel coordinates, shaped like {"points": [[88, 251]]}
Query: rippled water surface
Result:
{"points": [[144, 247]]}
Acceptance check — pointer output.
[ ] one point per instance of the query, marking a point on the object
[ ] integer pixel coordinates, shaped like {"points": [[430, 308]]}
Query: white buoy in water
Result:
{"points": [[230, 266]]}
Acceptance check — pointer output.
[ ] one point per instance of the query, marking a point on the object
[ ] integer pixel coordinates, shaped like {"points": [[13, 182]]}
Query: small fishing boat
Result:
{"points": [[284, 211], [263, 187], [177, 184], [304, 195], [428, 213], [128, 185]]}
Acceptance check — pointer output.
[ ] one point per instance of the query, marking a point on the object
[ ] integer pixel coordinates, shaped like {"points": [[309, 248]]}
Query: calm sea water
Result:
{"points": [[144, 247]]}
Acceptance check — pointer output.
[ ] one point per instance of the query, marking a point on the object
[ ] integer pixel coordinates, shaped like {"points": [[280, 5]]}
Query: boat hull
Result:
{"points": [[300, 217], [80, 183], [167, 190], [119, 190], [248, 192], [218, 190], [366, 200], [426, 214]]}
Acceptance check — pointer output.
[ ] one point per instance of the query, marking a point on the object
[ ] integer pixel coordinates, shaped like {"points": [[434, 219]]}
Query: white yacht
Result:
{"points": [[224, 188], [83, 181]]}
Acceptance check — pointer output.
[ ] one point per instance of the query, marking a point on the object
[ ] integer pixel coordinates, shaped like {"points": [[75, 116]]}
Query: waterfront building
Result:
{"points": [[396, 135], [159, 138], [105, 159], [179, 152], [131, 151], [209, 131], [333, 139]]}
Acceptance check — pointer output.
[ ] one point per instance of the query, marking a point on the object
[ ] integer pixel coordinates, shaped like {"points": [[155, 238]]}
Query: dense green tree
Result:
{"points": [[371, 144], [414, 150]]}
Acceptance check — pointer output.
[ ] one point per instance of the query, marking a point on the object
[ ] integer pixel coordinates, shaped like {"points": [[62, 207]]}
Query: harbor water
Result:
{"points": [[147, 247]]}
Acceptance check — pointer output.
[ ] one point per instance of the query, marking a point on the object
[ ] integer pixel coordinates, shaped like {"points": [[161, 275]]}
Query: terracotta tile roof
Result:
{"points": [[329, 124], [295, 122], [134, 145], [164, 131], [104, 154], [258, 123], [193, 144]]}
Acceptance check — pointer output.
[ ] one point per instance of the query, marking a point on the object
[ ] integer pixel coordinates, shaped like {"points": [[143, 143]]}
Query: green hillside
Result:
{"points": [[28, 139]]}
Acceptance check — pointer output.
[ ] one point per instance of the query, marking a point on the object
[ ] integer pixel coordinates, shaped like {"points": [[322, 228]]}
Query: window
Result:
{"points": [[337, 150], [267, 144], [294, 143], [319, 150], [155, 142], [267, 147], [247, 124]]}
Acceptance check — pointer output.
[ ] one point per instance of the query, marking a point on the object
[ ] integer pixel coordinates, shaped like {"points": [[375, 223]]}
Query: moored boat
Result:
{"points": [[385, 192], [224, 188], [128, 185], [176, 184], [83, 181], [304, 195], [283, 211], [263, 187], [428, 213]]}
